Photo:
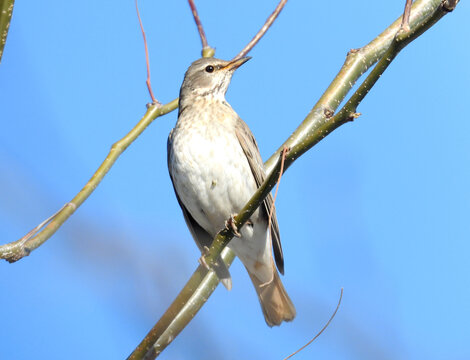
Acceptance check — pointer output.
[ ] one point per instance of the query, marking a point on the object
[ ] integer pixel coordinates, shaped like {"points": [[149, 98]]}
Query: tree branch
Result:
{"points": [[23, 247], [405, 22], [207, 51], [357, 62], [322, 329], [316, 126], [262, 31], [323, 123], [147, 61], [6, 10]]}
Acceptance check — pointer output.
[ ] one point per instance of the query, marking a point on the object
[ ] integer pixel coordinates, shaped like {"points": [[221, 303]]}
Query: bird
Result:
{"points": [[215, 167]]}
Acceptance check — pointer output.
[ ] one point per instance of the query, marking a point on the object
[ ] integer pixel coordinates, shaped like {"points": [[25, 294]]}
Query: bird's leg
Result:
{"points": [[230, 225], [202, 259]]}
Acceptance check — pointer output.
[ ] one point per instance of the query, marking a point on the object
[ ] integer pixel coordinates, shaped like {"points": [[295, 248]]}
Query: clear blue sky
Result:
{"points": [[380, 207]]}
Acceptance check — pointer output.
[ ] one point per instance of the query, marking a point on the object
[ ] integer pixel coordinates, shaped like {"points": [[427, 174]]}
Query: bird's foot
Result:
{"points": [[202, 259], [230, 225]]}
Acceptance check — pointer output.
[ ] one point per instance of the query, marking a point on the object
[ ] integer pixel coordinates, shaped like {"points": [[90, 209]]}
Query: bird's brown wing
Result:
{"points": [[250, 148], [201, 237]]}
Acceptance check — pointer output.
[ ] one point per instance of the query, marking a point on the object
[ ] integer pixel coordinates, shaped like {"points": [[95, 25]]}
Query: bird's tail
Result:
{"points": [[275, 303]]}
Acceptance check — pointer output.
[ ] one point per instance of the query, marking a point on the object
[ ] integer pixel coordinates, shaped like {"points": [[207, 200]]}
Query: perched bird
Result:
{"points": [[215, 167]]}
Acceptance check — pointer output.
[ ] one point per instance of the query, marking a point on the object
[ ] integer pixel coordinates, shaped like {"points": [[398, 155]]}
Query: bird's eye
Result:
{"points": [[209, 68]]}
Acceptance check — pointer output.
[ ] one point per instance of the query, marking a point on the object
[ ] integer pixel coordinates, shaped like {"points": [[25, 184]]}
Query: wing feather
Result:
{"points": [[250, 148]]}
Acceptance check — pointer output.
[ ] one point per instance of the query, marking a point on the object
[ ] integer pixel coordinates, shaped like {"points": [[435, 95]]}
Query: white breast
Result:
{"points": [[210, 172], [214, 180]]}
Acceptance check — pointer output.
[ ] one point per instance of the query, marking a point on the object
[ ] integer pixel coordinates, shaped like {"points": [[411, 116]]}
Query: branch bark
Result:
{"points": [[317, 125], [23, 247], [147, 61], [207, 51], [269, 21], [405, 22], [6, 10]]}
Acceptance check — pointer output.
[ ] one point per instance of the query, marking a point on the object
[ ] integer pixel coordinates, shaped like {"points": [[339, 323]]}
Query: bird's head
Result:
{"points": [[209, 77]]}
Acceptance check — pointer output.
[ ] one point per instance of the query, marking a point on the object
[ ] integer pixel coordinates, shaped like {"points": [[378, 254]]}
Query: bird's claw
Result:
{"points": [[230, 225], [202, 259]]}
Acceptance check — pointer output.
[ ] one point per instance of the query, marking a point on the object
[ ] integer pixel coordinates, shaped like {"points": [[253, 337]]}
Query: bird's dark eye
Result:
{"points": [[209, 68]]}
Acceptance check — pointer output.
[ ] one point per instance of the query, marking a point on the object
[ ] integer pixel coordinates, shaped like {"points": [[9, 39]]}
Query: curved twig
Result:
{"points": [[322, 329], [262, 31]]}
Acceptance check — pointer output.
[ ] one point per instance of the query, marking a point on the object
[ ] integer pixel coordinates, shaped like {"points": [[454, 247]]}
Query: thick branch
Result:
{"points": [[188, 302], [316, 126], [181, 308], [358, 61], [323, 123], [23, 247], [6, 10]]}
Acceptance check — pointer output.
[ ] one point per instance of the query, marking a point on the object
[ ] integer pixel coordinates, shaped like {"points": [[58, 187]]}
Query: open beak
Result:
{"points": [[235, 64]]}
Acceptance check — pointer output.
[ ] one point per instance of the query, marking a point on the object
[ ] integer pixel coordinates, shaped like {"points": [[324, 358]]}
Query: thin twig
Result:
{"points": [[321, 331], [16, 250], [262, 31], [198, 22], [207, 51], [149, 85], [405, 23], [33, 232], [283, 158]]}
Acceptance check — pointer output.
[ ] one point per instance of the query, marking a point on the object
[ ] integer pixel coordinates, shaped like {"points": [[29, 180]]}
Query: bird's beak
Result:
{"points": [[235, 64]]}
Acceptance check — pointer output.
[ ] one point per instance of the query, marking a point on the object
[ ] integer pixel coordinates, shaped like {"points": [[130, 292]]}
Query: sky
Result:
{"points": [[379, 208]]}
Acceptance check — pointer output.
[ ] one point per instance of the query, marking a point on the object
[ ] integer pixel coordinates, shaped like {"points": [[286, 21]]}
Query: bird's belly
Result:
{"points": [[211, 175]]}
